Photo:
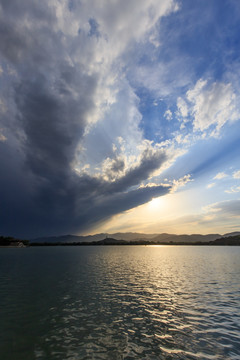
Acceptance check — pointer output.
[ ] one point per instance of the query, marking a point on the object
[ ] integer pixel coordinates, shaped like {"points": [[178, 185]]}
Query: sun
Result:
{"points": [[155, 203]]}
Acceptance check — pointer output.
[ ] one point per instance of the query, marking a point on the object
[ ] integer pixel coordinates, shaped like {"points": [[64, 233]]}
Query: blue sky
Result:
{"points": [[119, 116]]}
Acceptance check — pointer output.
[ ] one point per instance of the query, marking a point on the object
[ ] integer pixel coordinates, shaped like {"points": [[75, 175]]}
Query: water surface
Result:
{"points": [[120, 302]]}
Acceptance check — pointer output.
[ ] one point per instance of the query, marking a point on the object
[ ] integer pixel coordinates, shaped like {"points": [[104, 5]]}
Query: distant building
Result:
{"points": [[18, 244]]}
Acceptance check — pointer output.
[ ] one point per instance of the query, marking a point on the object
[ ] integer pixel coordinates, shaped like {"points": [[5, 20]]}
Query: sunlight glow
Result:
{"points": [[155, 204]]}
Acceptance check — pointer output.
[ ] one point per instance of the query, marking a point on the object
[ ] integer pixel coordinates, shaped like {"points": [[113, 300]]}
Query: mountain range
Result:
{"points": [[130, 236]]}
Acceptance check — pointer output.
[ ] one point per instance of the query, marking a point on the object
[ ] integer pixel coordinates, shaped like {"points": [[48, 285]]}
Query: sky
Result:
{"points": [[119, 116]]}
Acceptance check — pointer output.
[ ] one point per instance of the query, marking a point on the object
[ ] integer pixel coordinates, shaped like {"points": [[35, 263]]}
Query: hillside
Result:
{"points": [[166, 238], [128, 236], [229, 240], [134, 237]]}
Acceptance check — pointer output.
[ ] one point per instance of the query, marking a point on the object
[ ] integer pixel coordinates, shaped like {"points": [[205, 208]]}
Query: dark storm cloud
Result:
{"points": [[25, 30], [115, 203], [40, 193], [53, 122], [150, 161]]}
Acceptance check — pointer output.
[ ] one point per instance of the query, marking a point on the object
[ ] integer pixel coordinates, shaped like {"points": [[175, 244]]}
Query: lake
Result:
{"points": [[120, 302]]}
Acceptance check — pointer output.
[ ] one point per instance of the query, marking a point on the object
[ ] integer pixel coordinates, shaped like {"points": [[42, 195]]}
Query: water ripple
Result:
{"points": [[120, 303]]}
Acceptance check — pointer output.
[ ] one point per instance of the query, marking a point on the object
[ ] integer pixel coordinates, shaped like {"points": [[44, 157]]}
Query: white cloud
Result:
{"points": [[163, 79], [119, 25], [168, 115], [209, 186], [115, 113], [233, 190], [181, 139], [220, 176], [182, 107], [116, 134], [236, 174], [212, 105], [181, 182]]}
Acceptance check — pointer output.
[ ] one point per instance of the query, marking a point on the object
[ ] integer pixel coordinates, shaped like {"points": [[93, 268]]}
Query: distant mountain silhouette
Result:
{"points": [[130, 236], [235, 233], [97, 237], [185, 238]]}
